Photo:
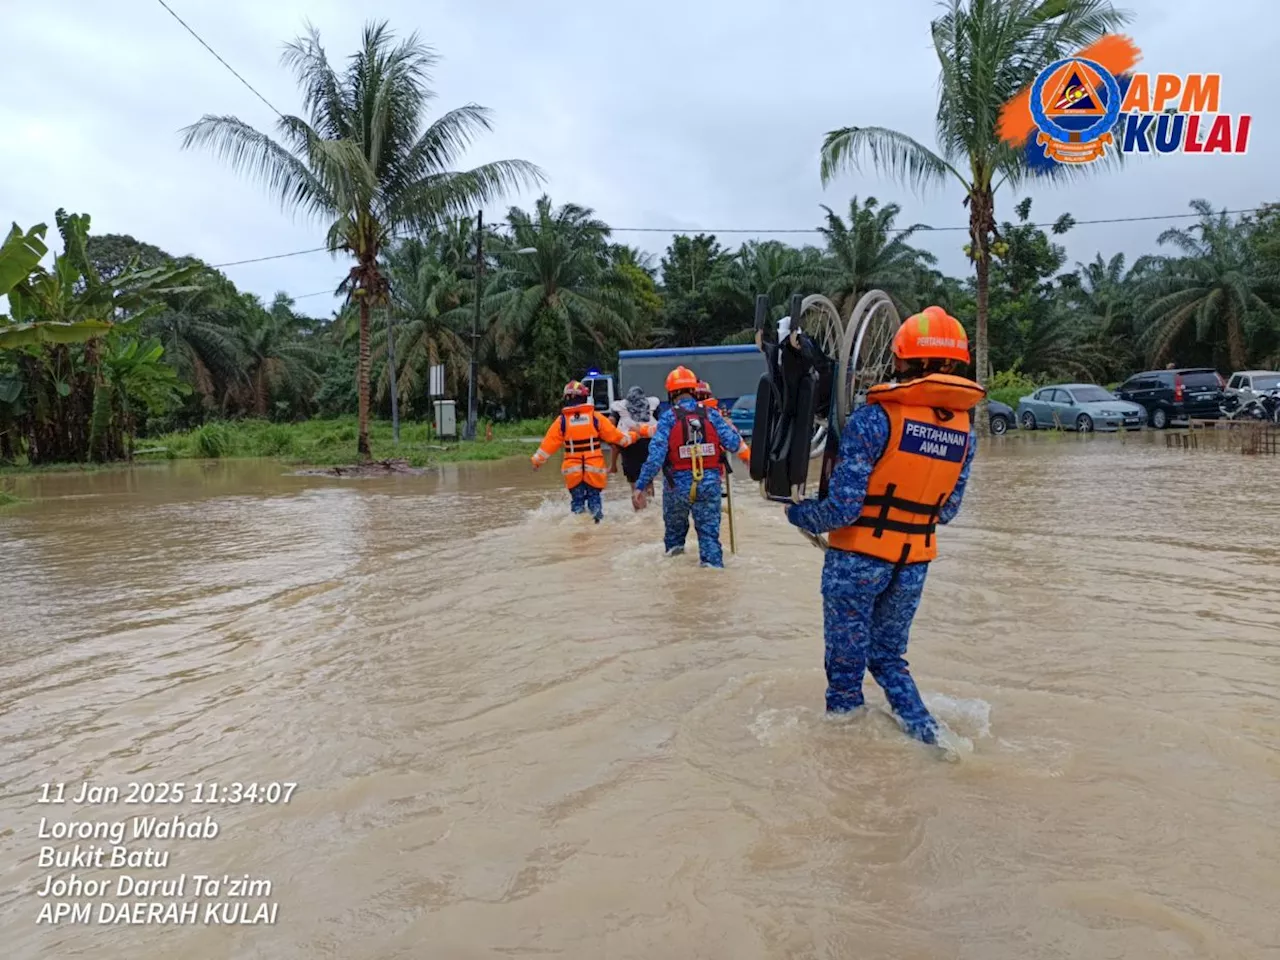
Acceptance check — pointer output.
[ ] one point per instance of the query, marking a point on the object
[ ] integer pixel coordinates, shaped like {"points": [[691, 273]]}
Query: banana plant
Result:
{"points": [[20, 254]]}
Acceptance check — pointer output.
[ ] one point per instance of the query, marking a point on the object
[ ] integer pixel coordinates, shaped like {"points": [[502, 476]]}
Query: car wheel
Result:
{"points": [[1159, 418], [1084, 423], [999, 425], [1028, 420]]}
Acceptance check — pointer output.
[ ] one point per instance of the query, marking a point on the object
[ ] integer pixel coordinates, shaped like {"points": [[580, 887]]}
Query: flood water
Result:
{"points": [[515, 734]]}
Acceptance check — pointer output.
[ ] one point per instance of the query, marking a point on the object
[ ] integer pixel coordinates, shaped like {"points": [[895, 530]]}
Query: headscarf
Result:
{"points": [[638, 405]]}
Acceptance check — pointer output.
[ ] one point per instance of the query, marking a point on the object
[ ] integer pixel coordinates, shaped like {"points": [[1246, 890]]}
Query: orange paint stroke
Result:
{"points": [[1115, 53]]}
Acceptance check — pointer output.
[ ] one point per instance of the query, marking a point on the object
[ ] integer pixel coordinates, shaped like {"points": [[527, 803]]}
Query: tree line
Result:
{"points": [[118, 337], [180, 345]]}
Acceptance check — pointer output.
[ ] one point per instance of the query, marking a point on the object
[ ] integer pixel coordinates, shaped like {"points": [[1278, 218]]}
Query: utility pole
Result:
{"points": [[470, 432]]}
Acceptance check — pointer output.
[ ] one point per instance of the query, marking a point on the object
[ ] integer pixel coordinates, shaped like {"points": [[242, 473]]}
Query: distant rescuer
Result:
{"points": [[582, 432], [688, 446], [902, 468]]}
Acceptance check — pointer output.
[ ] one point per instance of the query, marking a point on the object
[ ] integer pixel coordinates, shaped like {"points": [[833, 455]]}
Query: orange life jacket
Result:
{"points": [[582, 432], [929, 423]]}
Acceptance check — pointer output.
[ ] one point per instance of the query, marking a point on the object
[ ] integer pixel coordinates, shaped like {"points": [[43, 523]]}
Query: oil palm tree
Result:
{"points": [[275, 361], [363, 162], [988, 51], [430, 303], [770, 267], [870, 253], [1218, 292], [557, 298]]}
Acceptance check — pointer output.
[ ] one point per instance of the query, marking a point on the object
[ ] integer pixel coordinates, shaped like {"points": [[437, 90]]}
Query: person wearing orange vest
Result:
{"points": [[688, 447], [583, 433], [901, 470]]}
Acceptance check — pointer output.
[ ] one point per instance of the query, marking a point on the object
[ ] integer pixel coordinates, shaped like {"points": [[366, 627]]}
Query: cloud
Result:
{"points": [[679, 114]]}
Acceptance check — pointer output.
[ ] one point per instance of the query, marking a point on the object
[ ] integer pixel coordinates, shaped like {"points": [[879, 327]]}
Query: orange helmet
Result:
{"points": [[681, 379], [576, 390], [702, 391], [931, 334]]}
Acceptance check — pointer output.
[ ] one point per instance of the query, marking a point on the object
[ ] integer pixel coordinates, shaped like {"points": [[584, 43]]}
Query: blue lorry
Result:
{"points": [[733, 372]]}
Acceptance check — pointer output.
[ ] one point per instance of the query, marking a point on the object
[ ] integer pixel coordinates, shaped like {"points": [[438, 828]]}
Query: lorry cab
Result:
{"points": [[603, 391]]}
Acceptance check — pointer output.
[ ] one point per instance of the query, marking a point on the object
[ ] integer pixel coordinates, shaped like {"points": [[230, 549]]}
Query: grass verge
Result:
{"points": [[321, 443]]}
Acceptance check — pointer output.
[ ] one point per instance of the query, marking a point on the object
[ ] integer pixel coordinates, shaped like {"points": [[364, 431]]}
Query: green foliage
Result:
{"points": [[1010, 386], [366, 163], [212, 441], [234, 376]]}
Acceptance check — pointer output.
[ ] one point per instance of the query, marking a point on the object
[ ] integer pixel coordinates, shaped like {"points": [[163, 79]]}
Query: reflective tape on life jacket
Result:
{"points": [[929, 423]]}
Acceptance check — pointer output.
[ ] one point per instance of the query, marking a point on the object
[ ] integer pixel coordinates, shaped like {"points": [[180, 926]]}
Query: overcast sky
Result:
{"points": [[686, 115]]}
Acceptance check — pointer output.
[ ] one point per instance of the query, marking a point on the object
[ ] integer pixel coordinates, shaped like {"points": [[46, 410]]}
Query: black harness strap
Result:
{"points": [[580, 446]]}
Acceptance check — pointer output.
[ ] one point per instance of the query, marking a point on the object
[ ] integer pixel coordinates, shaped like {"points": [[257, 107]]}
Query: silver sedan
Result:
{"points": [[1078, 406]]}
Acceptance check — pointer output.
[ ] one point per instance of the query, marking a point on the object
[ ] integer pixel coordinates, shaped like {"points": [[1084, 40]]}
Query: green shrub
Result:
{"points": [[276, 440], [1010, 386], [212, 441]]}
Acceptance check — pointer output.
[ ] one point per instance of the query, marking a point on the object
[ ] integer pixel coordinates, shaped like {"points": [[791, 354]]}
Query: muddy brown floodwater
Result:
{"points": [[516, 734]]}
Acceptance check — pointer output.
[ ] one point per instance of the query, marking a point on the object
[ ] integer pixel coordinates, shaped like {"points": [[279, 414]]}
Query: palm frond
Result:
{"points": [[892, 152], [253, 152]]}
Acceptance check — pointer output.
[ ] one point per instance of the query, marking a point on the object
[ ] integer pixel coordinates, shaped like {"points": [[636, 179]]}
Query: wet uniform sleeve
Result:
{"points": [[866, 434], [952, 506], [657, 451]]}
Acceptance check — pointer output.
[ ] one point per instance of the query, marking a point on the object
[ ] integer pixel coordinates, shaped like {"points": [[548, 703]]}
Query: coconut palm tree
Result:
{"points": [[869, 253], [988, 51], [1218, 292], [363, 162]]}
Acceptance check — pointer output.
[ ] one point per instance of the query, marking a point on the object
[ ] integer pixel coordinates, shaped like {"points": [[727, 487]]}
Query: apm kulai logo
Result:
{"points": [[1080, 107]]}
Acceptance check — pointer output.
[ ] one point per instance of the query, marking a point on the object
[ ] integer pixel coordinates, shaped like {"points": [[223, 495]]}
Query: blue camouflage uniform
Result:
{"points": [[585, 497], [676, 505], [868, 603]]}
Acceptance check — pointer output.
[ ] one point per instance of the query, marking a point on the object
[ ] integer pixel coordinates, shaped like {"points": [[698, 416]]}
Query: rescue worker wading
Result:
{"points": [[582, 432], [901, 469], [688, 447]]}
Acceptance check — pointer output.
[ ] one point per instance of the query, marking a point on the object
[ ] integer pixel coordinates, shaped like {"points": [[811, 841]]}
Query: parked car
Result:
{"points": [[1001, 417], [1169, 395], [743, 414], [1078, 406], [1252, 384]]}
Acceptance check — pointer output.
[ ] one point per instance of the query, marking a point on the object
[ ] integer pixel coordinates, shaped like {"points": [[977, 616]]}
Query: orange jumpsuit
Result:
{"points": [[582, 432]]}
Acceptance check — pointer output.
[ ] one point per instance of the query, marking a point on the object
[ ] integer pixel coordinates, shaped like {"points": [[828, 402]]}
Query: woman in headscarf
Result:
{"points": [[635, 413]]}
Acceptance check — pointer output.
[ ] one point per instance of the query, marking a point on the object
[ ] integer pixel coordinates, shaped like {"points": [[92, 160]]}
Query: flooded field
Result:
{"points": [[514, 733]]}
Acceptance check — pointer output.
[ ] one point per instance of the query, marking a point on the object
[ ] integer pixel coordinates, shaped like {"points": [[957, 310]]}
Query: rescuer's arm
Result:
{"points": [[866, 434], [611, 433], [550, 444], [726, 431], [657, 451], [952, 506]]}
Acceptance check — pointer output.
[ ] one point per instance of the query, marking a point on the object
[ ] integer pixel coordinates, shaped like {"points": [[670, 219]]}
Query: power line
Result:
{"points": [[792, 230], [221, 61]]}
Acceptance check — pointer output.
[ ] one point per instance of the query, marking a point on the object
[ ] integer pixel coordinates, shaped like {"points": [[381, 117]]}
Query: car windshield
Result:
{"points": [[1271, 382], [745, 403], [1090, 394]]}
